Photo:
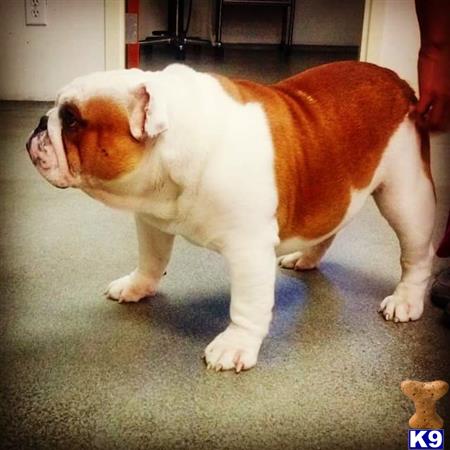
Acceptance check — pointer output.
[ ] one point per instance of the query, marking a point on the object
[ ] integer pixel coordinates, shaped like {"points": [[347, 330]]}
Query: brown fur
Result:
{"points": [[103, 146], [330, 126]]}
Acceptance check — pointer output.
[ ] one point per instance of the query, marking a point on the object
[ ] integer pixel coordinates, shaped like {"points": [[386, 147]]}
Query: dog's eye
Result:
{"points": [[70, 117]]}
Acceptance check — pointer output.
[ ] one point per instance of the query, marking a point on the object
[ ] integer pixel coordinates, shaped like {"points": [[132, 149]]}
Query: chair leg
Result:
{"points": [[284, 28], [291, 23], [219, 20], [180, 52]]}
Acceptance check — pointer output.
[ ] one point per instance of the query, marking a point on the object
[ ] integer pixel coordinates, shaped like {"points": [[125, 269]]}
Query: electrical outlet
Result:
{"points": [[36, 12]]}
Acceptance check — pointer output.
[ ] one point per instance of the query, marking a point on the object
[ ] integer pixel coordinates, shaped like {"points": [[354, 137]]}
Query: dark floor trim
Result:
{"points": [[15, 103], [296, 47]]}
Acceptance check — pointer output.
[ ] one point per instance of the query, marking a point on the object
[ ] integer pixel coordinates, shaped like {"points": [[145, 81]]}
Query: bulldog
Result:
{"points": [[251, 171]]}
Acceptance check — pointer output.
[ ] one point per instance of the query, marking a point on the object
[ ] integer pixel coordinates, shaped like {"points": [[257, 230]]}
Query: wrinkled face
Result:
{"points": [[99, 129]]}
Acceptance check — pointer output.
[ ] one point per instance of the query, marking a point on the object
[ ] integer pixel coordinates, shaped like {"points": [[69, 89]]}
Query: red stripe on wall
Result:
{"points": [[133, 6], [132, 50], [132, 55]]}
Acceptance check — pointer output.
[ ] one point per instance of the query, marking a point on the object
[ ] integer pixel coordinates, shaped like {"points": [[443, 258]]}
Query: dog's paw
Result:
{"points": [[131, 288], [235, 348], [298, 261], [288, 261], [398, 307]]}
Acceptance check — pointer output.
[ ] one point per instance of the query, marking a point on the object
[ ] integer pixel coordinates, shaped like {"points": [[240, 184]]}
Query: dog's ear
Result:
{"points": [[147, 111]]}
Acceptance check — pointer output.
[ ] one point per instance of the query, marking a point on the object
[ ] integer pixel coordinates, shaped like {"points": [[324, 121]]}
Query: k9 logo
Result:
{"points": [[418, 439]]}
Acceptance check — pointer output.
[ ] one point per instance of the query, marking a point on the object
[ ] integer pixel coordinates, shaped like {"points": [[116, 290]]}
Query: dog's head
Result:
{"points": [[99, 129]]}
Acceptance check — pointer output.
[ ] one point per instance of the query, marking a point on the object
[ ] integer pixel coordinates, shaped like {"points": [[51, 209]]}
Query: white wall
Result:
{"points": [[322, 22], [37, 60], [393, 41], [393, 37], [114, 34]]}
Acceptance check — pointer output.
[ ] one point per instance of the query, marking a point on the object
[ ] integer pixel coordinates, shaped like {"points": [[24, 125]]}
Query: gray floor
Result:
{"points": [[78, 371]]}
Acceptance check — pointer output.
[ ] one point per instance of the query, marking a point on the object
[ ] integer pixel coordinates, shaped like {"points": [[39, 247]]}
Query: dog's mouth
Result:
{"points": [[43, 156], [47, 153], [41, 152]]}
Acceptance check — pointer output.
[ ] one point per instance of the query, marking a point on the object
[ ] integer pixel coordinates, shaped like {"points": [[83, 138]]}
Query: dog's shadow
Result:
{"points": [[320, 296]]}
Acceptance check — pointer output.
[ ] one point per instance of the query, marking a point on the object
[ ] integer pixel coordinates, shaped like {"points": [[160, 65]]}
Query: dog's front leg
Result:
{"points": [[155, 247], [252, 269]]}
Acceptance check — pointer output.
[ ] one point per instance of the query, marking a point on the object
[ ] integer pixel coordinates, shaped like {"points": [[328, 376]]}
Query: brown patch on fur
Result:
{"points": [[102, 146], [330, 126]]}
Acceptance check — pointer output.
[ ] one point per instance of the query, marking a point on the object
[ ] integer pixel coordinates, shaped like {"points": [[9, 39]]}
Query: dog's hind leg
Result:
{"points": [[406, 200], [306, 259]]}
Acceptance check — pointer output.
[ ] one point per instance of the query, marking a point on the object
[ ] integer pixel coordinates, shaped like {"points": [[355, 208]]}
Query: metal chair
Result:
{"points": [[287, 24], [176, 33]]}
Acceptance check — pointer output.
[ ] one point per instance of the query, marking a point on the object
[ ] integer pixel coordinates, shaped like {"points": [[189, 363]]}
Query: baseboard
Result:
{"points": [[296, 47]]}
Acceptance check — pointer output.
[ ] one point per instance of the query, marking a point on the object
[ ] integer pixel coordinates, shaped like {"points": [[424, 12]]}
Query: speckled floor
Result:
{"points": [[78, 371]]}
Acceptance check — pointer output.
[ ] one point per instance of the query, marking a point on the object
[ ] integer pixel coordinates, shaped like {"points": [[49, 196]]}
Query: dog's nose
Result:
{"points": [[42, 126]]}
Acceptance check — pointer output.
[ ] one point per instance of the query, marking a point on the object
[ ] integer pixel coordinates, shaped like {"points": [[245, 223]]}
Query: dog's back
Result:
{"points": [[330, 126]]}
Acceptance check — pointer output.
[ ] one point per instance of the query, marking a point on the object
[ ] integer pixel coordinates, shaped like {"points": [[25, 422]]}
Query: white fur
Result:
{"points": [[209, 176], [404, 195], [406, 199]]}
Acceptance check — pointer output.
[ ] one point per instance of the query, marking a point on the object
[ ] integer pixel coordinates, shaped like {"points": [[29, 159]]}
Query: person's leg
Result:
{"points": [[440, 291]]}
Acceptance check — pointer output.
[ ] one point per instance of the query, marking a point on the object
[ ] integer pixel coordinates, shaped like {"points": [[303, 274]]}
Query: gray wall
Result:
{"points": [[321, 22]]}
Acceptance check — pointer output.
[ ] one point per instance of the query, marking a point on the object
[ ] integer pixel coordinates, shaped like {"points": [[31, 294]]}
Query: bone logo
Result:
{"points": [[426, 424]]}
